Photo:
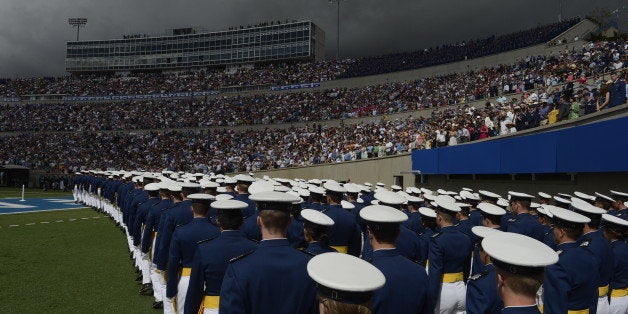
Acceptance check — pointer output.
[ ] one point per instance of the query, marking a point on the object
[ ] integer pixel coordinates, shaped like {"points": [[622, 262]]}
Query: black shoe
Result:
{"points": [[139, 278], [158, 305], [147, 289]]}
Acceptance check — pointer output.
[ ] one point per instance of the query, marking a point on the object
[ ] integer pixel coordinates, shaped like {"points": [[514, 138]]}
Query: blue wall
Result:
{"points": [[597, 147]]}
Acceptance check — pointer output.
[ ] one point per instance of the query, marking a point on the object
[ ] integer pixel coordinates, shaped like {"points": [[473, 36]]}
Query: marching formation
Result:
{"points": [[205, 243]]}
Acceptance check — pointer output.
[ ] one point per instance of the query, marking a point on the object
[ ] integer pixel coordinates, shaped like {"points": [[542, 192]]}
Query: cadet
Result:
{"points": [[618, 207], [250, 228], [545, 219], [183, 246], [491, 217], [598, 246], [615, 230], [213, 255], [344, 235], [140, 221], [273, 278], [524, 223], [243, 182], [544, 198], [464, 223], [317, 196], [519, 264], [149, 247], [428, 221], [473, 200], [315, 229], [414, 217], [570, 285], [407, 243], [345, 284], [448, 259], [603, 201], [406, 289], [482, 297]]}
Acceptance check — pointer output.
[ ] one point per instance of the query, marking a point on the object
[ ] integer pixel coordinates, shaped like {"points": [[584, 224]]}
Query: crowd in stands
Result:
{"points": [[457, 52], [277, 74], [228, 150], [525, 75], [153, 83]]}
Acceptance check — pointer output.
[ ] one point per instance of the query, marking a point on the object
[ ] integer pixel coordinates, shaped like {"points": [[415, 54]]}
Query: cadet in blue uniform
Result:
{"points": [[524, 223], [250, 227], [317, 198], [448, 259], [593, 240], [570, 285], [213, 255], [519, 264], [183, 246], [414, 217], [406, 289], [465, 224], [618, 207], [140, 221], [428, 221], [491, 217], [408, 243], [615, 230], [345, 284], [344, 235], [473, 200], [545, 219], [604, 202], [482, 297], [148, 242], [243, 182], [315, 229], [273, 278]]}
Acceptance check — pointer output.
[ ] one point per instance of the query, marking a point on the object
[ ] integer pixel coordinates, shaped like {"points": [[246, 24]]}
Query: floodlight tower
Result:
{"points": [[337, 26], [78, 23]]}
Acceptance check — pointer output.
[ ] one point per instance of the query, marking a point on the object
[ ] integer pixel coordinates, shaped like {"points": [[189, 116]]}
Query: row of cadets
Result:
{"points": [[183, 247]]}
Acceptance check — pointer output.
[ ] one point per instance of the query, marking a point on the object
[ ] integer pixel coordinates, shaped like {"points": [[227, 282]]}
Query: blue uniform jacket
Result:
{"points": [[570, 284], [160, 259], [345, 231], [183, 246], [179, 215], [315, 248], [405, 290], [476, 217], [465, 226], [482, 297], [152, 223], [425, 244], [528, 225], [272, 279], [249, 211], [295, 231], [140, 197], [601, 250], [449, 252], [414, 223], [210, 263], [140, 219], [619, 279], [548, 236]]}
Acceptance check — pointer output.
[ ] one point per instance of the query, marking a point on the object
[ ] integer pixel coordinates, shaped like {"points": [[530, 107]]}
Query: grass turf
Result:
{"points": [[30, 193], [74, 266]]}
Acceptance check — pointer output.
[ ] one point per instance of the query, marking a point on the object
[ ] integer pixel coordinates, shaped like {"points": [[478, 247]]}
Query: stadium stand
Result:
{"points": [[535, 72]]}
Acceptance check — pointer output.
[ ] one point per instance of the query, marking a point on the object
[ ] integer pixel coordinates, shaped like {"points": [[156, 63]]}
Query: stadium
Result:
{"points": [[244, 170]]}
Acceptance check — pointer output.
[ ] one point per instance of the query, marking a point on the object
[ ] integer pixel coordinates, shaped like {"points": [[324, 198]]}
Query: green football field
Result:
{"points": [[67, 261]]}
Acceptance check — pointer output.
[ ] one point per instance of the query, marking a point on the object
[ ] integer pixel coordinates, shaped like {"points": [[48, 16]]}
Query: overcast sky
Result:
{"points": [[33, 33]]}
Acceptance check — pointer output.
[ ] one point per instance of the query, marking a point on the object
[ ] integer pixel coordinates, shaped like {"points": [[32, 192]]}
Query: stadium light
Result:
{"points": [[78, 23], [337, 26]]}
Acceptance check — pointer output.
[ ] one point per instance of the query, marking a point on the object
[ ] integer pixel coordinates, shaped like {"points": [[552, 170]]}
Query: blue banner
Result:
{"points": [[595, 147], [295, 86]]}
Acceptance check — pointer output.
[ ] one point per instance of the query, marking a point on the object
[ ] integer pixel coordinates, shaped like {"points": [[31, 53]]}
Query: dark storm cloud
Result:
{"points": [[33, 32]]}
